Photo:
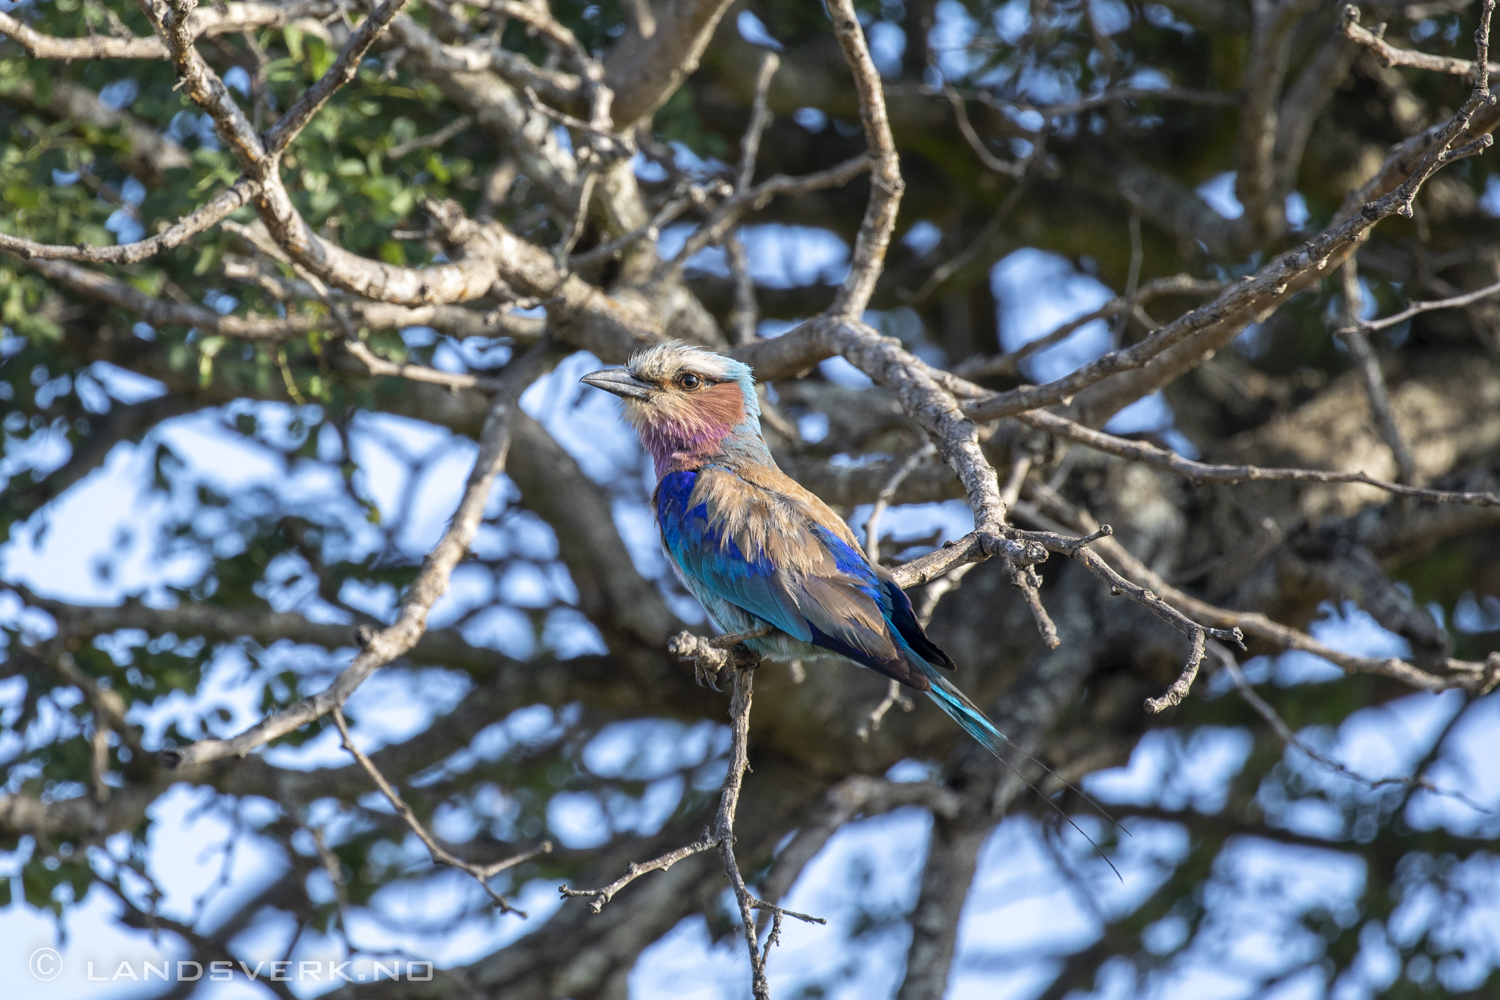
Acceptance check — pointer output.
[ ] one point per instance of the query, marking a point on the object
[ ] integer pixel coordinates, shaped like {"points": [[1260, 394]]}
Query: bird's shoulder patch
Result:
{"points": [[762, 521], [800, 499]]}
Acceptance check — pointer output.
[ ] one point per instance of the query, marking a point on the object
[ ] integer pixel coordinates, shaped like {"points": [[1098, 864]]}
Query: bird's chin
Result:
{"points": [[638, 411]]}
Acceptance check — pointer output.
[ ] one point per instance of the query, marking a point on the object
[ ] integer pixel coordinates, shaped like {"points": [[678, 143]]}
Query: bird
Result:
{"points": [[760, 552]]}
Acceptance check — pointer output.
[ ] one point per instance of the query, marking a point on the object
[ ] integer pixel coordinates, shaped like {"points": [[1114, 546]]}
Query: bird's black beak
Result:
{"points": [[620, 382]]}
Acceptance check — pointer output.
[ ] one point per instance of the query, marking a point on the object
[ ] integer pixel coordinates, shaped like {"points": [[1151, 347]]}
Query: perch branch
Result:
{"points": [[721, 837]]}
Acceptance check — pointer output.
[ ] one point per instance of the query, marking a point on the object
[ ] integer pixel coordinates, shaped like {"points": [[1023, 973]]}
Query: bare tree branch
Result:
{"points": [[1471, 676], [389, 643], [1393, 56], [886, 185], [1369, 369], [721, 838], [1010, 364], [646, 68], [1150, 454], [225, 19], [210, 215], [481, 873]]}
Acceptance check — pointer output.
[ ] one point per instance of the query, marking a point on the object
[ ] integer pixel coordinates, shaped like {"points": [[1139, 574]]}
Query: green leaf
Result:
{"points": [[293, 36], [207, 258], [321, 57]]}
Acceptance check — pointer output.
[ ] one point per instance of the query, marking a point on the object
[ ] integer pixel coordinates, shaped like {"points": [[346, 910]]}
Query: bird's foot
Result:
{"points": [[708, 660], [735, 638], [706, 675], [711, 657]]}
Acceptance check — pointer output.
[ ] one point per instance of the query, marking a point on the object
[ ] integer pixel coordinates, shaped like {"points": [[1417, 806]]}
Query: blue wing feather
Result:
{"points": [[855, 612], [858, 613], [747, 580]]}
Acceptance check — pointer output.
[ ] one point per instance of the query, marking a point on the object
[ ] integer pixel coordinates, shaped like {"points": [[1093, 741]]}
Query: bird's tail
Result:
{"points": [[961, 709]]}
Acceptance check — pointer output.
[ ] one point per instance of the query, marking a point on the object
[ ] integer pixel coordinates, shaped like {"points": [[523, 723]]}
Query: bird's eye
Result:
{"points": [[689, 381]]}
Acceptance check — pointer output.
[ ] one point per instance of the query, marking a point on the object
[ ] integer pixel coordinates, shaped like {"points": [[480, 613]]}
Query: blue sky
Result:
{"points": [[1038, 894], [1027, 906]]}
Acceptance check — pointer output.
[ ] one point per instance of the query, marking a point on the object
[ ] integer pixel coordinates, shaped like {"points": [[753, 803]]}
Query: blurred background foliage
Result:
{"points": [[196, 525]]}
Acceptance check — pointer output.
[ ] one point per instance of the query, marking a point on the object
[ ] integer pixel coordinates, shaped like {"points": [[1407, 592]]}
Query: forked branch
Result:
{"points": [[1204, 472], [720, 838], [411, 623], [440, 855]]}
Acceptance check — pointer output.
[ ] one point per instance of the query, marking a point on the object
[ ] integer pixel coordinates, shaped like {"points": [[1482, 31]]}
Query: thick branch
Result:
{"points": [[644, 69], [221, 20]]}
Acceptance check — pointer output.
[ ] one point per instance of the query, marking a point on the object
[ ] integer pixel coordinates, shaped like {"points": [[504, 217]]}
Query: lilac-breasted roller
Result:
{"points": [[756, 548]]}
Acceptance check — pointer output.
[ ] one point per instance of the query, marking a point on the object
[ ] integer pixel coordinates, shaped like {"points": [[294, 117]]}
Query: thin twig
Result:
{"points": [[760, 118], [982, 239], [732, 209], [886, 185], [215, 211], [418, 373], [1416, 308], [883, 498], [1475, 677], [1024, 577], [743, 317], [1264, 709], [229, 18], [935, 591], [1010, 364], [721, 838], [335, 870], [1201, 472], [437, 138], [1133, 275], [1390, 55], [1257, 294], [634, 871], [1145, 596], [893, 697], [440, 855], [649, 231], [989, 159], [610, 145], [1369, 371], [411, 622]]}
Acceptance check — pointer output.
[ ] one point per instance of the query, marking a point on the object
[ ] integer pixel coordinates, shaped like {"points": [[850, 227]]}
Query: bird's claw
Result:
{"points": [[711, 657], [708, 661], [706, 674]]}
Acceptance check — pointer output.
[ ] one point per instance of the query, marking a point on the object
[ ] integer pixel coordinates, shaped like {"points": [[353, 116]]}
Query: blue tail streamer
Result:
{"points": [[961, 709]]}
